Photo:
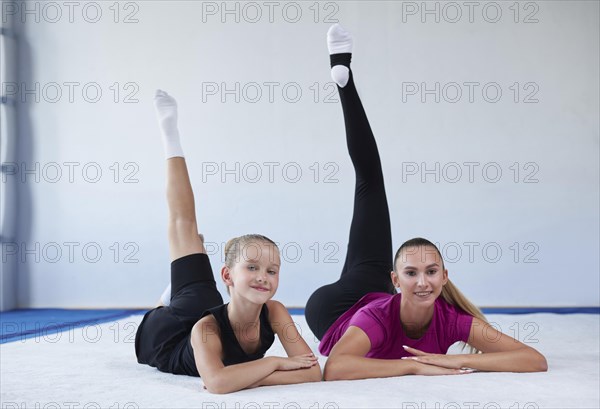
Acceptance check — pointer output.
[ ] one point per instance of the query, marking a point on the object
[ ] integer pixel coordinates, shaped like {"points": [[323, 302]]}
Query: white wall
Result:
{"points": [[547, 230]]}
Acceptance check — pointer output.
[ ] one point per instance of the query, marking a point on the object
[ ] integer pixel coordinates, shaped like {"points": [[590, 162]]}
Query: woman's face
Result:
{"points": [[420, 275]]}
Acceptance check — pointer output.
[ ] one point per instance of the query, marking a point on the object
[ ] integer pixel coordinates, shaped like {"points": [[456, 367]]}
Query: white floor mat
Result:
{"points": [[95, 366]]}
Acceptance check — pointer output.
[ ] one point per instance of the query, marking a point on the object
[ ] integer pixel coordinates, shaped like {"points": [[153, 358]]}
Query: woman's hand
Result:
{"points": [[296, 362], [430, 369], [453, 362]]}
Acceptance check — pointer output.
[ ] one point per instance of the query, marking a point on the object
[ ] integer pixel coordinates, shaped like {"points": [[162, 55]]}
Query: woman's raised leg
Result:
{"points": [[369, 258]]}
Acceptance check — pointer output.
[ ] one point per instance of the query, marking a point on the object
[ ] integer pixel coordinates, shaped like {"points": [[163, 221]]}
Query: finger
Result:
{"points": [[435, 362], [423, 359], [459, 371], [414, 351], [312, 361], [429, 361]]}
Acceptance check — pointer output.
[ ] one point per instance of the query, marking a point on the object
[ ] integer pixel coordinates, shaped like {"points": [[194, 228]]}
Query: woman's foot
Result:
{"points": [[339, 44]]}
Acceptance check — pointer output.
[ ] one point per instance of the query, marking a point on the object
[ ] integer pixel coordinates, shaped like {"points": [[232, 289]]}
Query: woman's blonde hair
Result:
{"points": [[450, 293]]}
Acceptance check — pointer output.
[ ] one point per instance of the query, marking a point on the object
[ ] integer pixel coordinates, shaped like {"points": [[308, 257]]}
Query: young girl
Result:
{"points": [[193, 332], [367, 329]]}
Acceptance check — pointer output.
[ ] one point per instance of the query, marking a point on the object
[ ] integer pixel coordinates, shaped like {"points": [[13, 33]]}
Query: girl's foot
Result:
{"points": [[165, 298], [166, 112]]}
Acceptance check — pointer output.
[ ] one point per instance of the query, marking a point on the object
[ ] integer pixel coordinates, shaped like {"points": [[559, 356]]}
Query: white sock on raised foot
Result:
{"points": [[339, 41], [340, 74], [166, 112]]}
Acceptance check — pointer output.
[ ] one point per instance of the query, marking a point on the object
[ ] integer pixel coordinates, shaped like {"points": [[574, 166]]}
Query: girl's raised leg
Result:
{"points": [[185, 243], [192, 282]]}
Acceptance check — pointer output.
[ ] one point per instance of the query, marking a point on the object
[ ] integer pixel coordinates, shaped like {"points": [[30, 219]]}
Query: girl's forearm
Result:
{"points": [[240, 376], [312, 374]]}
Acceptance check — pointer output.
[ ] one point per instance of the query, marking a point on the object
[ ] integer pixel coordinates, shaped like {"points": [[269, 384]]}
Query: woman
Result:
{"points": [[193, 332], [367, 329]]}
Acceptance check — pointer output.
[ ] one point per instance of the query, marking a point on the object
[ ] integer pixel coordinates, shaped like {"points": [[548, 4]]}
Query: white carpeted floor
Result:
{"points": [[95, 367]]}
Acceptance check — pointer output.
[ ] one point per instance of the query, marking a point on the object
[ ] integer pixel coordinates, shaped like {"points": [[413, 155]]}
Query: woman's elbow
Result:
{"points": [[333, 370], [541, 363], [536, 362]]}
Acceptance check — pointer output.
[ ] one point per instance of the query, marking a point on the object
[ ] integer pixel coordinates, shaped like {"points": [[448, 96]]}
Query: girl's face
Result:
{"points": [[255, 274], [420, 275]]}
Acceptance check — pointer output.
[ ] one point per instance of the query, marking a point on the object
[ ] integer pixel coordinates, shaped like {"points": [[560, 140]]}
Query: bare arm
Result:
{"points": [[219, 378], [347, 361], [294, 345], [501, 353]]}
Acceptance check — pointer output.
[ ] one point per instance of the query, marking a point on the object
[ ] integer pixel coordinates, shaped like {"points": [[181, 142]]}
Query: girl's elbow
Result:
{"points": [[216, 389], [316, 374], [216, 386]]}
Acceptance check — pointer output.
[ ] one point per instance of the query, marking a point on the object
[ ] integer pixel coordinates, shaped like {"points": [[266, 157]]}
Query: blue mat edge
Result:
{"points": [[116, 314], [111, 315]]}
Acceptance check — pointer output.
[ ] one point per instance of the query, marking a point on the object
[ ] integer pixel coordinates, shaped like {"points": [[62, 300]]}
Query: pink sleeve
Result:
{"points": [[371, 325], [463, 326]]}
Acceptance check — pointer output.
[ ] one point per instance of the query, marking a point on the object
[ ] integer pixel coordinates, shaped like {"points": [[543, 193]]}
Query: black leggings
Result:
{"points": [[162, 339], [369, 259]]}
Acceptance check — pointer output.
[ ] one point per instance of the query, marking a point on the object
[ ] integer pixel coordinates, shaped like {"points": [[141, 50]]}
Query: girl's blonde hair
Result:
{"points": [[450, 293], [236, 248]]}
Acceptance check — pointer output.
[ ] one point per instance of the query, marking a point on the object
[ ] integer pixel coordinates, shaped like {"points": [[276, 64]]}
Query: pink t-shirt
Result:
{"points": [[378, 315]]}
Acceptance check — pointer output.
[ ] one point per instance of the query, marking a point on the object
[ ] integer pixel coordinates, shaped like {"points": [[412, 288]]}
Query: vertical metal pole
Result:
{"points": [[8, 167]]}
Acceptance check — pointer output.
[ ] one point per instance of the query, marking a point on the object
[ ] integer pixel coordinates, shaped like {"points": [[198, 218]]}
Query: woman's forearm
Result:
{"points": [[520, 360], [346, 367]]}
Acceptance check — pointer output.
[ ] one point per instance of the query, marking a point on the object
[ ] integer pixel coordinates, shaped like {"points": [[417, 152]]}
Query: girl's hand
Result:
{"points": [[297, 362], [439, 360]]}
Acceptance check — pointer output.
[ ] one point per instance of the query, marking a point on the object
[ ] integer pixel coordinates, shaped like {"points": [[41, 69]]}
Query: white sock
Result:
{"points": [[166, 112], [340, 74], [339, 41], [165, 298]]}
